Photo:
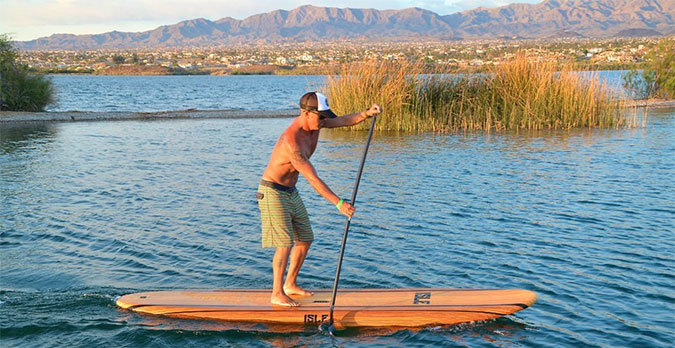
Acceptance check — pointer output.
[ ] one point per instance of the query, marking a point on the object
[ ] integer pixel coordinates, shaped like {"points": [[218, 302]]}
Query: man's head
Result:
{"points": [[315, 102]]}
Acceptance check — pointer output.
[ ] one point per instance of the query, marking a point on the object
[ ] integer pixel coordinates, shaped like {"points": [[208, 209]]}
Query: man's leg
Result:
{"points": [[279, 263], [298, 254]]}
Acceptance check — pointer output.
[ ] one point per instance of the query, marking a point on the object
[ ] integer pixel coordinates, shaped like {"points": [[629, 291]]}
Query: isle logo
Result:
{"points": [[422, 298]]}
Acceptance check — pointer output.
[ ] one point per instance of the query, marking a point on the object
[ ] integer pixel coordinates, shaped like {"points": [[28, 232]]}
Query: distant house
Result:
{"points": [[306, 58], [284, 61]]}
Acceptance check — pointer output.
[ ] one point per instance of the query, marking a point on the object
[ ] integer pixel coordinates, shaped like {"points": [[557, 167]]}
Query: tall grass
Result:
{"points": [[516, 95]]}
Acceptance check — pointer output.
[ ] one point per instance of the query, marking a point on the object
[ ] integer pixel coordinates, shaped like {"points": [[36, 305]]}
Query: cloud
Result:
{"points": [[32, 18], [22, 13], [445, 7], [73, 12], [28, 19]]}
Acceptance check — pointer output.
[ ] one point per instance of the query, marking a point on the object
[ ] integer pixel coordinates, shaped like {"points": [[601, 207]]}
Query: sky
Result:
{"points": [[30, 19]]}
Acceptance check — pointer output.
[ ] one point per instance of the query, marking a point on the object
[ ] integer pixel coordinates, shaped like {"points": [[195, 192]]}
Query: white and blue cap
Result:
{"points": [[315, 101]]}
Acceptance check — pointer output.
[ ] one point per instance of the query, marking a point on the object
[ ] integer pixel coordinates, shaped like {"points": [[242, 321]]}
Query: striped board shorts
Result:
{"points": [[283, 216]]}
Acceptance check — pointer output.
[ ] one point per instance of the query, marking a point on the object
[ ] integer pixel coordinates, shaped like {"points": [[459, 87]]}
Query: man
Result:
{"points": [[283, 215]]}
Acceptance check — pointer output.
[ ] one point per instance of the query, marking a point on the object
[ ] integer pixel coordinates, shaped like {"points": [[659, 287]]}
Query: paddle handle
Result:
{"points": [[346, 232], [363, 162]]}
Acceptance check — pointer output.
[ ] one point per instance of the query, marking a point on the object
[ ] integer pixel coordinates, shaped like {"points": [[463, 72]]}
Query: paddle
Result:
{"points": [[331, 328]]}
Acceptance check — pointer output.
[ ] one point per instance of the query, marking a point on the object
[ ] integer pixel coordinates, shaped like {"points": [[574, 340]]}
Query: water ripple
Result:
{"points": [[95, 210]]}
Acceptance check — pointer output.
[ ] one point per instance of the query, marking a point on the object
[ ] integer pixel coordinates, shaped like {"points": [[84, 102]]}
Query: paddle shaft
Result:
{"points": [[344, 236]]}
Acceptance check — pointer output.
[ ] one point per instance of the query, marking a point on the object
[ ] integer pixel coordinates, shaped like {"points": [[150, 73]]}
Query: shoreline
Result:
{"points": [[280, 72], [77, 116], [652, 103]]}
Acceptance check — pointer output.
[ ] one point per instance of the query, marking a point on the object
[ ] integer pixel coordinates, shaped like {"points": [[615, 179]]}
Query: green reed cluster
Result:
{"points": [[519, 94]]}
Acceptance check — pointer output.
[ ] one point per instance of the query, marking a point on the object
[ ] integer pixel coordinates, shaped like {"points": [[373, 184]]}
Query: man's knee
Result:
{"points": [[303, 245], [282, 252]]}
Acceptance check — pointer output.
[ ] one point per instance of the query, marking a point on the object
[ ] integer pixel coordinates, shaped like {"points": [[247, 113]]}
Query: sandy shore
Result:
{"points": [[73, 116]]}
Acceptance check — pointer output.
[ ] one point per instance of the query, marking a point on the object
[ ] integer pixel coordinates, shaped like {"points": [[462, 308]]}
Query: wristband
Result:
{"points": [[339, 204]]}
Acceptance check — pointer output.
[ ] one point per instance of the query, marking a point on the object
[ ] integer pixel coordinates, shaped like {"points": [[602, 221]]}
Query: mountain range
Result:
{"points": [[548, 19]]}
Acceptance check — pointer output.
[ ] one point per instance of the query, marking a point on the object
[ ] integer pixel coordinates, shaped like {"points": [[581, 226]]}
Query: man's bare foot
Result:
{"points": [[296, 290], [283, 300]]}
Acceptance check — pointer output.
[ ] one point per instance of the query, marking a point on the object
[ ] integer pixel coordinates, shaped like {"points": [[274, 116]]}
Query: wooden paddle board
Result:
{"points": [[353, 307]]}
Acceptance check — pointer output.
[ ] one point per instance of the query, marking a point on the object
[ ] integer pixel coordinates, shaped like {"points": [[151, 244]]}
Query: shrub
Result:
{"points": [[657, 79], [21, 90]]}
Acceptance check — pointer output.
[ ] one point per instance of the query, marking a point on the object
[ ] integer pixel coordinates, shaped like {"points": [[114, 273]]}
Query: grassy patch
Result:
{"points": [[516, 95]]}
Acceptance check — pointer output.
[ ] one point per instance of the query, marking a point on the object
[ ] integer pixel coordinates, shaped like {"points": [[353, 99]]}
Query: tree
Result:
{"points": [[19, 89], [7, 53], [657, 79], [118, 59]]}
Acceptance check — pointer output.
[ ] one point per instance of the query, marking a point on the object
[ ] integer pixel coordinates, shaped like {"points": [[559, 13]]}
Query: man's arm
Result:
{"points": [[352, 119], [302, 164]]}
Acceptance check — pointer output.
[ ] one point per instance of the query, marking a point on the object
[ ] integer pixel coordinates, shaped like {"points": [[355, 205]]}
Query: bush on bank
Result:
{"points": [[21, 90], [657, 79], [519, 94]]}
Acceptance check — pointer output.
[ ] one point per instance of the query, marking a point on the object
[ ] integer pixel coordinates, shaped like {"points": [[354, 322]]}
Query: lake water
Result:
{"points": [[93, 210], [203, 92], [162, 93]]}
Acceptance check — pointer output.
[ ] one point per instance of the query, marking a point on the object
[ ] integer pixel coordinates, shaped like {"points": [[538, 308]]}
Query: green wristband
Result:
{"points": [[339, 204]]}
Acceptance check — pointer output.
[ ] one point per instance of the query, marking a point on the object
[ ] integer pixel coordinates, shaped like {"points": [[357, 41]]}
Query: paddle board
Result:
{"points": [[353, 307]]}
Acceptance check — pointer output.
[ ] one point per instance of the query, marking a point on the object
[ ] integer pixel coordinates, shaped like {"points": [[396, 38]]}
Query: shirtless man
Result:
{"points": [[283, 215]]}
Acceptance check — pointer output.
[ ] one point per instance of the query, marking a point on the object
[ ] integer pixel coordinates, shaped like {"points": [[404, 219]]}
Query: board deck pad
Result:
{"points": [[353, 307]]}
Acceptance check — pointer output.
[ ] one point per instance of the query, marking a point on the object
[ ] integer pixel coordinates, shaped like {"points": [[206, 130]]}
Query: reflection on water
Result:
{"points": [[20, 136], [496, 332], [584, 218]]}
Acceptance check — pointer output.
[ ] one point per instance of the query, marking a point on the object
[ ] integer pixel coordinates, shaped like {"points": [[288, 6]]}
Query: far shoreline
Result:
{"points": [[7, 117], [263, 70]]}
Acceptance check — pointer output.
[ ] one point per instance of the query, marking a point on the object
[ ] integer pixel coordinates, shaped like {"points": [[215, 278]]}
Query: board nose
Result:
{"points": [[130, 300], [529, 297]]}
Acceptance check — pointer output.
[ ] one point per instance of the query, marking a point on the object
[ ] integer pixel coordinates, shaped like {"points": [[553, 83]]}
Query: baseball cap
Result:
{"points": [[315, 101]]}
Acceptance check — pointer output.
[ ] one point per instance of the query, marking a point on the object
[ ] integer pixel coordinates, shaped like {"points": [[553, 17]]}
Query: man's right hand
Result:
{"points": [[374, 110], [347, 209]]}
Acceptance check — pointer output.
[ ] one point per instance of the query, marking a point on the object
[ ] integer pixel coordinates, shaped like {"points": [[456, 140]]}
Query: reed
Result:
{"points": [[516, 95]]}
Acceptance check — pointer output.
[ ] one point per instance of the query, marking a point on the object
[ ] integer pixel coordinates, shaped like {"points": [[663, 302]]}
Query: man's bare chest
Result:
{"points": [[308, 145]]}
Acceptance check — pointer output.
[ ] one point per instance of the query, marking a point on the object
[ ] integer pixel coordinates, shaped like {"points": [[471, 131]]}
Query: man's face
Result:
{"points": [[314, 120]]}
